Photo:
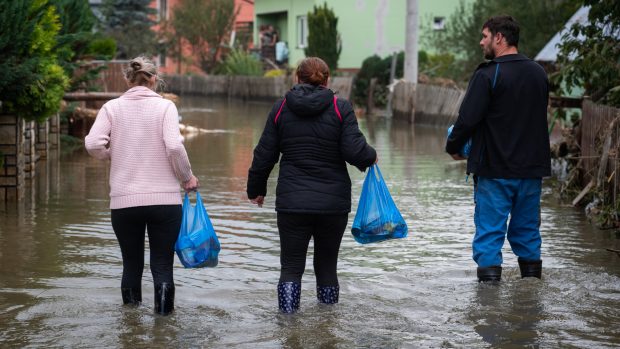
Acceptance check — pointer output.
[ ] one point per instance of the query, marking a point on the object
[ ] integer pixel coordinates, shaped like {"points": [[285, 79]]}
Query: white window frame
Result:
{"points": [[302, 31]]}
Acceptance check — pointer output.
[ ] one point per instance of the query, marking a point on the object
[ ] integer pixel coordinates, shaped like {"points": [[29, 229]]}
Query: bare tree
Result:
{"points": [[205, 24]]}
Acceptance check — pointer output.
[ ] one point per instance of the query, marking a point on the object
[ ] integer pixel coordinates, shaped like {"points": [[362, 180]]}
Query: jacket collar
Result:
{"points": [[139, 92], [510, 58]]}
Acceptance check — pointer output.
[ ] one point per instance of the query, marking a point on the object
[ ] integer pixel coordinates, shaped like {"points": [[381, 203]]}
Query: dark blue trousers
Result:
{"points": [[496, 201]]}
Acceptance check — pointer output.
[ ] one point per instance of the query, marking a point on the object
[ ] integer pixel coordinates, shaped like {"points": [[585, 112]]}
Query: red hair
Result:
{"points": [[313, 71]]}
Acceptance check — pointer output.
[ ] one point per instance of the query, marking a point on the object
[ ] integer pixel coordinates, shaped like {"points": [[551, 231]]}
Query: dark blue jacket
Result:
{"points": [[314, 143], [505, 113]]}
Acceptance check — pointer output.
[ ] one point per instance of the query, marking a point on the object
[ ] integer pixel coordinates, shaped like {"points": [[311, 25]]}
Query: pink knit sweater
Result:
{"points": [[139, 133]]}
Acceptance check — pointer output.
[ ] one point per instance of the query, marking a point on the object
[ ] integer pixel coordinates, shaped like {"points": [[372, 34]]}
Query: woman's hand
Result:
{"points": [[258, 200], [191, 185]]}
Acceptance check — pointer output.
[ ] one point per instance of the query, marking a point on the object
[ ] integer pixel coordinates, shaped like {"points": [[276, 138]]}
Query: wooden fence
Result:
{"points": [[426, 104], [244, 87], [597, 126]]}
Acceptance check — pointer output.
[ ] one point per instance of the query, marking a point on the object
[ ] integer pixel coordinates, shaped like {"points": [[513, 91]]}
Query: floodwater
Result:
{"points": [[60, 265]]}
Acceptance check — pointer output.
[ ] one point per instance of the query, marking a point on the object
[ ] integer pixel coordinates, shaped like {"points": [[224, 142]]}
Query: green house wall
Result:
{"points": [[366, 27]]}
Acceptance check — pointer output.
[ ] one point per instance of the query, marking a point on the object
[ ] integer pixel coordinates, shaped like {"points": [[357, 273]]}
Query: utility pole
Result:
{"points": [[411, 42]]}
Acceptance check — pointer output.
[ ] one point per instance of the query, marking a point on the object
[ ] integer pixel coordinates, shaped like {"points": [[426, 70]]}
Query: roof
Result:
{"points": [[549, 53]]}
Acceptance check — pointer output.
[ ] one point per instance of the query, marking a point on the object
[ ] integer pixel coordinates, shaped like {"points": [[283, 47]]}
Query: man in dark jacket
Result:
{"points": [[504, 113], [316, 133]]}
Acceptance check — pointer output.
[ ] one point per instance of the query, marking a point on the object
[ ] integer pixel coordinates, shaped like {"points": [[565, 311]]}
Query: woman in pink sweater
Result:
{"points": [[139, 133]]}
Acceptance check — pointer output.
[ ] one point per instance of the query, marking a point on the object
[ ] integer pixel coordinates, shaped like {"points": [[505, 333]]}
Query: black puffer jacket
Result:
{"points": [[314, 144]]}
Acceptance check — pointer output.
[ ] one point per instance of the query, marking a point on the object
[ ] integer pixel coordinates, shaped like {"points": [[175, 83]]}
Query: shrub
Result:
{"points": [[323, 37], [240, 63], [33, 83]]}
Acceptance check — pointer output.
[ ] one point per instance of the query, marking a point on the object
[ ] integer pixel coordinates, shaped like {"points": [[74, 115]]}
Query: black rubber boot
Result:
{"points": [[164, 298], [530, 268], [490, 274], [327, 294], [289, 294], [132, 296]]}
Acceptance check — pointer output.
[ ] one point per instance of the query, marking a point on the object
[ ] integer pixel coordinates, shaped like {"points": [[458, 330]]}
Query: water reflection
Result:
{"points": [[60, 265], [508, 314]]}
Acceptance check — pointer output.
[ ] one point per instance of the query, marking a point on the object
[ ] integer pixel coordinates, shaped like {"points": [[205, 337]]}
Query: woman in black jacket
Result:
{"points": [[316, 133]]}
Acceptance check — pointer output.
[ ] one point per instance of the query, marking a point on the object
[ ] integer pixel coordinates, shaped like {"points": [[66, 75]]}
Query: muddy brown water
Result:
{"points": [[60, 264]]}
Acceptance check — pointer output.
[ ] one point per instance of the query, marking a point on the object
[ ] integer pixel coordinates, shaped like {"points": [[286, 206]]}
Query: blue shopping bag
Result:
{"points": [[466, 147], [197, 245], [377, 218]]}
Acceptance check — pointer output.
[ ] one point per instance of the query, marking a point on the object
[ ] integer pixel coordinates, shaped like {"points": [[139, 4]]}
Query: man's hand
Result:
{"points": [[258, 200], [191, 185], [457, 157]]}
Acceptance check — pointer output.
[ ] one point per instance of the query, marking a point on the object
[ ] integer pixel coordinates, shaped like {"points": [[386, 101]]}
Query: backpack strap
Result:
{"points": [[336, 108], [275, 121]]}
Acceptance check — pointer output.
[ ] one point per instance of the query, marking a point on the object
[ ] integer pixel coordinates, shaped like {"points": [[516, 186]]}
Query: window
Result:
{"points": [[302, 31], [439, 23], [162, 57], [163, 9]]}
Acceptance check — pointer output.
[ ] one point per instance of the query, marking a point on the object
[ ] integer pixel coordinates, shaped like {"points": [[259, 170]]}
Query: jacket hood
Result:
{"points": [[308, 100], [139, 92]]}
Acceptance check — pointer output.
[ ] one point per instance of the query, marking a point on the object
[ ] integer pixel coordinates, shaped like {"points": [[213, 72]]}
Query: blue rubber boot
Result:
{"points": [[327, 294], [288, 297]]}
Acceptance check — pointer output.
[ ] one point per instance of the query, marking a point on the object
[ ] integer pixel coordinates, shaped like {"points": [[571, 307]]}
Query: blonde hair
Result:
{"points": [[140, 71]]}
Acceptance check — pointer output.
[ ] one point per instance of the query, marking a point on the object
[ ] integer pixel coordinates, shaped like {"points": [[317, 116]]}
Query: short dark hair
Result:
{"points": [[506, 25]]}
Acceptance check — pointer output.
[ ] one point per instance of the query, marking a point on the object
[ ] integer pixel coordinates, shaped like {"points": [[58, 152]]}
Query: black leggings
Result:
{"points": [[163, 223], [295, 233]]}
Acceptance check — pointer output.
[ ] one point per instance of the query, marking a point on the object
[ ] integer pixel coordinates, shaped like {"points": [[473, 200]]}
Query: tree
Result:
{"points": [[129, 22], [204, 24], [590, 54], [32, 82], [77, 41], [539, 20], [323, 37]]}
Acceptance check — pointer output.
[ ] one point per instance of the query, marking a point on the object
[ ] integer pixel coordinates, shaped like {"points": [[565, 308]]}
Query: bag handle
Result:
{"points": [[198, 199], [376, 172]]}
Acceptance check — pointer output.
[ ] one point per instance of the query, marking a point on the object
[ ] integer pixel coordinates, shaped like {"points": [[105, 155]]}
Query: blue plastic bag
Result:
{"points": [[466, 148], [197, 245], [377, 217]]}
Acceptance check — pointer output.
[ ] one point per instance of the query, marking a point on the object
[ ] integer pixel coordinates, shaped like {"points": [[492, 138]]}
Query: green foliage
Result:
{"points": [[129, 22], [376, 67], [77, 21], [102, 48], [32, 83], [323, 37], [432, 65], [240, 63], [440, 65], [77, 41], [539, 20], [593, 61], [204, 24]]}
